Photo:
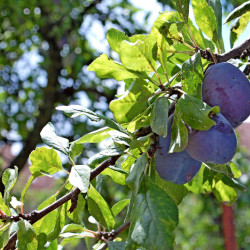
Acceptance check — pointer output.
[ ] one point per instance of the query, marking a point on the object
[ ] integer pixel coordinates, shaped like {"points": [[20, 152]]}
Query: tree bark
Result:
{"points": [[230, 242]]}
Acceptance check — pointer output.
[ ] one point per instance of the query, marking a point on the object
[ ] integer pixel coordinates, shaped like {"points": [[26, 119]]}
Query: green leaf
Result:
{"points": [[220, 168], [198, 184], [175, 191], [42, 240], [45, 160], [235, 170], [25, 234], [99, 209], [9, 179], [75, 149], [153, 218], [3, 206], [223, 187], [238, 27], [76, 110], [117, 245], [133, 102], [119, 206], [4, 239], [94, 136], [192, 75], [31, 178], [205, 18], [216, 5], [105, 67], [183, 8], [134, 178], [47, 223], [130, 159], [79, 177], [115, 37], [51, 139], [199, 37], [76, 228], [171, 30], [140, 120], [120, 138], [104, 154], [60, 222], [159, 116], [224, 193], [196, 113], [76, 215], [141, 55], [117, 176], [52, 245], [237, 12], [179, 133]]}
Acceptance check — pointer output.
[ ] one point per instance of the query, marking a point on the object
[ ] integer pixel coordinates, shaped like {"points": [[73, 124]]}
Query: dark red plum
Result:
{"points": [[179, 167], [226, 86], [216, 145]]}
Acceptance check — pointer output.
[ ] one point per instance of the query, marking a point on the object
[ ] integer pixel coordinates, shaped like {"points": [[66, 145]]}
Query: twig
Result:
{"points": [[110, 236], [235, 53]]}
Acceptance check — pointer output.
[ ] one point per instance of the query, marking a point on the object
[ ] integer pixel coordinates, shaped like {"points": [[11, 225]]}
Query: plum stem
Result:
{"points": [[212, 54]]}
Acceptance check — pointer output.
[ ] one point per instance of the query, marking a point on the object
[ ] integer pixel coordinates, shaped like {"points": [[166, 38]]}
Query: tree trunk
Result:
{"points": [[228, 228]]}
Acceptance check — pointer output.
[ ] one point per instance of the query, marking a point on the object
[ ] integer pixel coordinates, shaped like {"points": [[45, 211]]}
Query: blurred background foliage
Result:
{"points": [[45, 48]]}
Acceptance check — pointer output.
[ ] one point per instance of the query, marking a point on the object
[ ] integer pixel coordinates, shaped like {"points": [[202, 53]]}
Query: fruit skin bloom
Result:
{"points": [[216, 145], [178, 167], [226, 86]]}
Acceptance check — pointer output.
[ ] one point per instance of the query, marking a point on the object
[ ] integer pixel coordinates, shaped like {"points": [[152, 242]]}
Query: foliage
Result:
{"points": [[156, 70]]}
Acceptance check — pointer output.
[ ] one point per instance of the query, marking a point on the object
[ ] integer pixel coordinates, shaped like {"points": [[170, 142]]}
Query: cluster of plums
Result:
{"points": [[225, 86]]}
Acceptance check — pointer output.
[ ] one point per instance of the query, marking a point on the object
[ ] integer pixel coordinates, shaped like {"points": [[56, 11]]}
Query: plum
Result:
{"points": [[179, 167], [216, 145], [226, 86]]}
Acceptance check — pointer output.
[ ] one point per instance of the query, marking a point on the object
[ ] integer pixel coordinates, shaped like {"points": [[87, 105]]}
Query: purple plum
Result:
{"points": [[179, 167], [226, 86], [216, 145]]}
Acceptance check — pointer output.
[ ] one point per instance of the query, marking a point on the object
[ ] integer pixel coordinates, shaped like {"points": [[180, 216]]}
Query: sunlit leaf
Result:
{"points": [[205, 18], [133, 102], [196, 113], [50, 138], [95, 136], [237, 12], [192, 75], [45, 160], [99, 209], [216, 5], [238, 27], [141, 55], [9, 179], [115, 37], [183, 8], [105, 67], [80, 176]]}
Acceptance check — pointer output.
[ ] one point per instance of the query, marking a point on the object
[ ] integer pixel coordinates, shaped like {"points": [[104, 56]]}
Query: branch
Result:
{"points": [[110, 236], [37, 215], [236, 53]]}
